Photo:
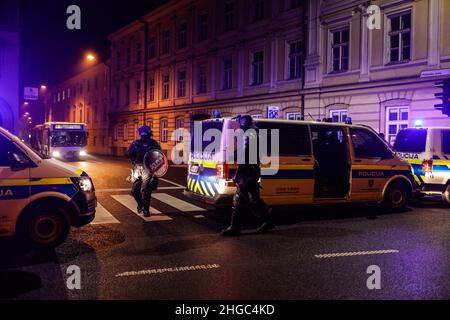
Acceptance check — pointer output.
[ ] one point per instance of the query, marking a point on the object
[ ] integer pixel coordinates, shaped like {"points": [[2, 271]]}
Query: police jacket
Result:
{"points": [[139, 149]]}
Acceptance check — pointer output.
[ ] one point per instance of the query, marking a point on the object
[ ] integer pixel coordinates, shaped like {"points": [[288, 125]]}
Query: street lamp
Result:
{"points": [[90, 57], [43, 87]]}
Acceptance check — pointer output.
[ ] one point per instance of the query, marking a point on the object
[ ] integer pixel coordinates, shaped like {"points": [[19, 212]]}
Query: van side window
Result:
{"points": [[7, 147], [367, 145], [294, 138], [446, 142]]}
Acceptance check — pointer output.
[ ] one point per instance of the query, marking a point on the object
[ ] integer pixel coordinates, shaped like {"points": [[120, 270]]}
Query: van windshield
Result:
{"points": [[411, 140]]}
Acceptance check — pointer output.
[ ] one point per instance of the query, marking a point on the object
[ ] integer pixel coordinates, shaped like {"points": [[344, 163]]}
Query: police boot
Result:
{"points": [[267, 226], [146, 213], [235, 228]]}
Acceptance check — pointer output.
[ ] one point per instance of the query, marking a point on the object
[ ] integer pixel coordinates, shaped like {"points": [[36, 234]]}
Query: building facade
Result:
{"points": [[9, 65], [85, 98], [239, 57], [373, 75]]}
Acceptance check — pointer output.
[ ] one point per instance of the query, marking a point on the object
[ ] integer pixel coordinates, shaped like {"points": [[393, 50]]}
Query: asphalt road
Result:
{"points": [[315, 252]]}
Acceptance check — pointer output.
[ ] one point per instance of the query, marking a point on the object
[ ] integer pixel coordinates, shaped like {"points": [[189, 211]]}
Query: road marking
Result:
{"points": [[167, 270], [129, 202], [103, 216], [199, 216], [129, 189], [177, 203], [174, 183], [353, 254]]}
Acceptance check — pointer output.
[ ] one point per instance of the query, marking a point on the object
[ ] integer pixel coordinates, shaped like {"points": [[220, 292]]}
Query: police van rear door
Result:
{"points": [[14, 183]]}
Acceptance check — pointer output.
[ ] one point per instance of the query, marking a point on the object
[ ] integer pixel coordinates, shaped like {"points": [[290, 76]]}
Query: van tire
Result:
{"points": [[446, 195], [396, 196], [44, 228]]}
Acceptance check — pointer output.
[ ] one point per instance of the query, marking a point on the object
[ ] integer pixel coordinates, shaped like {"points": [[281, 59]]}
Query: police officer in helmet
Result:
{"points": [[247, 178], [144, 182]]}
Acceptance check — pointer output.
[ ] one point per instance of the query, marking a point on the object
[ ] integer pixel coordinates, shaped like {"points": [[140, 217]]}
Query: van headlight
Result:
{"points": [[83, 153], [84, 183], [56, 154]]}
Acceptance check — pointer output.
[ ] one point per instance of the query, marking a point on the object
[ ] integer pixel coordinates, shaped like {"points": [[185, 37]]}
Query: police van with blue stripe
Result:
{"points": [[428, 151], [318, 163], [41, 198]]}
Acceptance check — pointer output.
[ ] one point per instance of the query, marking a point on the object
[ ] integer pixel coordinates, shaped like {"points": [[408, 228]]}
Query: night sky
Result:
{"points": [[51, 53]]}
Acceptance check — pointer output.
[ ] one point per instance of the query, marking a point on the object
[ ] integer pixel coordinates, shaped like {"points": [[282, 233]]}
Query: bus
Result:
{"points": [[60, 140]]}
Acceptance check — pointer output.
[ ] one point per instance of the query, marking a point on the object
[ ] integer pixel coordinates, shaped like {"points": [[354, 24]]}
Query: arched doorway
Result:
{"points": [[6, 116]]}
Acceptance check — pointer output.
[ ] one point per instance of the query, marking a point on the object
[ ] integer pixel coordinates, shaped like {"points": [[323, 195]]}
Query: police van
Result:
{"points": [[428, 151], [41, 198], [318, 163]]}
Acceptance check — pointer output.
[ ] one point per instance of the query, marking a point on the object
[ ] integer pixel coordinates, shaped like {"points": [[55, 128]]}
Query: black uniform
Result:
{"points": [[144, 182], [248, 195]]}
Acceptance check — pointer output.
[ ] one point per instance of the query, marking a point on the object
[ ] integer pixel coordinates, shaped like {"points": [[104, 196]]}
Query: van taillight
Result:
{"points": [[427, 166], [222, 171]]}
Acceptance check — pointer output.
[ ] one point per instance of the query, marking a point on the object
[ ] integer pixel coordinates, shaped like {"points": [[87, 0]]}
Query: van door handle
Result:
{"points": [[358, 161], [306, 160]]}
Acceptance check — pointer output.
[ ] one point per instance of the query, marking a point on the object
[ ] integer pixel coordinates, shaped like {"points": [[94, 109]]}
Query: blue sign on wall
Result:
{"points": [[273, 112]]}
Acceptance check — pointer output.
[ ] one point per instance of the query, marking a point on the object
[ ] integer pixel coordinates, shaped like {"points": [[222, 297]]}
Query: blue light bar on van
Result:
{"points": [[68, 127]]}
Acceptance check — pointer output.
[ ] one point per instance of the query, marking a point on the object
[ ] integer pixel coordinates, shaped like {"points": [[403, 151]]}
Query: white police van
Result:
{"points": [[40, 199], [428, 152]]}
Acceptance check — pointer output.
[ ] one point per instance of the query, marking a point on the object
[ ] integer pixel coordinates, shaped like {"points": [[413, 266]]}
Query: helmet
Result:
{"points": [[246, 121], [145, 131]]}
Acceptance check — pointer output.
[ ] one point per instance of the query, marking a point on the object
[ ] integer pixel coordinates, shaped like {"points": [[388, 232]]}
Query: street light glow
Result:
{"points": [[43, 87], [90, 57]]}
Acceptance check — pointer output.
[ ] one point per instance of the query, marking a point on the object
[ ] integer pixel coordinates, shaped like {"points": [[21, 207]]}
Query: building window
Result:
{"points": [[293, 4], [258, 68], [166, 42], [125, 132], [397, 118], [138, 92], [128, 62], [64, 95], [139, 53], [294, 116], [258, 10], [151, 91], [117, 100], [340, 50], [295, 60], [201, 87], [179, 126], [150, 123], [127, 94], [181, 83], [203, 27], [228, 23], [152, 48], [338, 116], [118, 61], [182, 40], [116, 132], [227, 74], [400, 38], [164, 130], [166, 87]]}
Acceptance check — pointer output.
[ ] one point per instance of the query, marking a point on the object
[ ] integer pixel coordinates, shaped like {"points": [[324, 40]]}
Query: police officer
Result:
{"points": [[144, 182], [248, 189]]}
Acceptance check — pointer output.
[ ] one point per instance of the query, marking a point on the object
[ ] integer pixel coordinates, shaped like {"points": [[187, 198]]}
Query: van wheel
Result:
{"points": [[446, 195], [396, 197], [44, 227]]}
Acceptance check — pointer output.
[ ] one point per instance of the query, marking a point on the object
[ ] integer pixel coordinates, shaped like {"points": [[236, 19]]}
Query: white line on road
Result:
{"points": [[129, 202], [103, 216], [174, 183], [353, 254], [167, 270], [129, 189], [177, 203]]}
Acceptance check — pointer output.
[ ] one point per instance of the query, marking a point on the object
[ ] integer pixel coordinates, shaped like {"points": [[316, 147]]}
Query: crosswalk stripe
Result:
{"points": [[103, 216], [177, 203], [129, 202]]}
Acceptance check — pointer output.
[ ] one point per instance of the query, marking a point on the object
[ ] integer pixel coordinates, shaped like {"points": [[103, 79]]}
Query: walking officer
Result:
{"points": [[144, 181], [247, 178]]}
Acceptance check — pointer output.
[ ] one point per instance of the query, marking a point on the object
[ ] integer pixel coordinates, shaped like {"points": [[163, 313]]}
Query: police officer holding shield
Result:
{"points": [[248, 188], [144, 181]]}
